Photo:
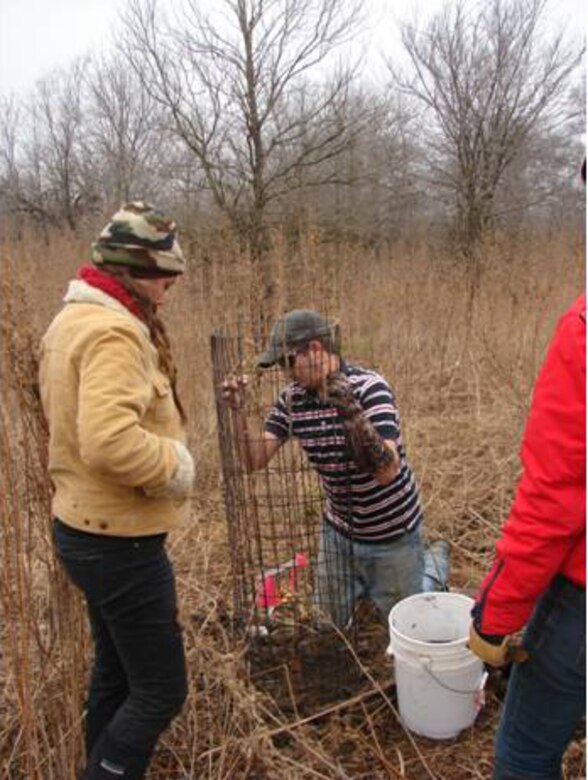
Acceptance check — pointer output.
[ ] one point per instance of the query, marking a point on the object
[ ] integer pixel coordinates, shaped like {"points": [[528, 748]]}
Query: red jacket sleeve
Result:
{"points": [[545, 533]]}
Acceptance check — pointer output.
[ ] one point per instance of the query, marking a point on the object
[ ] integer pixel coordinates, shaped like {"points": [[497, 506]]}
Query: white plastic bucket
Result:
{"points": [[439, 681]]}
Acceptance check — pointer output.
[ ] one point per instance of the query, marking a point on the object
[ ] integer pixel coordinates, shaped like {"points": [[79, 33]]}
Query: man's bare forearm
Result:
{"points": [[255, 451], [245, 445]]}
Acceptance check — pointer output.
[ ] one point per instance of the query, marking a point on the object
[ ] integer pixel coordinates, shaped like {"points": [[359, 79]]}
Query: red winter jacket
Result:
{"points": [[545, 533]]}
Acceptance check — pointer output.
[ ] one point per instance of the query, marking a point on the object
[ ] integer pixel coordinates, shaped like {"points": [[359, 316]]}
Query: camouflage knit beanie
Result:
{"points": [[141, 237]]}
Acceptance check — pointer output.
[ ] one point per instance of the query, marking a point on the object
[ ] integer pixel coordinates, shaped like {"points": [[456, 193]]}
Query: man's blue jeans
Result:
{"points": [[138, 681], [384, 572], [546, 696]]}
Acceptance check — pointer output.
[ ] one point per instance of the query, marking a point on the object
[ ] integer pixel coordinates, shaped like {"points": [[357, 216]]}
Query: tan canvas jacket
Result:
{"points": [[116, 449]]}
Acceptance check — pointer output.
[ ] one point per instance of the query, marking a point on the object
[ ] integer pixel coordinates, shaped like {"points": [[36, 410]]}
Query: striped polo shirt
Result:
{"points": [[356, 505]]}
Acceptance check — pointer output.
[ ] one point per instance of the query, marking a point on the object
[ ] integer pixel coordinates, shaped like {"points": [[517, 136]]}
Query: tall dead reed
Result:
{"points": [[462, 369], [44, 644]]}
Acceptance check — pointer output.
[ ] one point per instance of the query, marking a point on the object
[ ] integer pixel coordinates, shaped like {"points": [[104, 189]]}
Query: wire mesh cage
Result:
{"points": [[290, 590], [274, 515]]}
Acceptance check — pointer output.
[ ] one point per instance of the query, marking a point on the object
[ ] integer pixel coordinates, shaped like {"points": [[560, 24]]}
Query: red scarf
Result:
{"points": [[111, 286]]}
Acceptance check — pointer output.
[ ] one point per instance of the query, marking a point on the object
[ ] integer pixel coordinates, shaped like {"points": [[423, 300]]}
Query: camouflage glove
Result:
{"points": [[369, 452], [367, 447], [339, 394]]}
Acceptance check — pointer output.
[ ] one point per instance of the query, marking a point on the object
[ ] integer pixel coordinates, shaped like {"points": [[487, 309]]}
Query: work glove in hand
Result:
{"points": [[499, 653], [367, 447], [339, 393]]}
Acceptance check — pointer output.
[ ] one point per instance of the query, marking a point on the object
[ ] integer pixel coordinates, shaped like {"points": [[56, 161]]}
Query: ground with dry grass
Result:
{"points": [[462, 356]]}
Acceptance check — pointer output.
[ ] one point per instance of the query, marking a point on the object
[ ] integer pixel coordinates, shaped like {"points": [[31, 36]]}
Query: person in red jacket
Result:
{"points": [[538, 578]]}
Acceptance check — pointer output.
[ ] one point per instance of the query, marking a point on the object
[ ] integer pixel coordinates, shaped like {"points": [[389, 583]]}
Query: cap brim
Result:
{"points": [[267, 359]]}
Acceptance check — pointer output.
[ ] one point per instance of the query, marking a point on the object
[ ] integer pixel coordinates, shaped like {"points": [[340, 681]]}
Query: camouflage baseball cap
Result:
{"points": [[294, 329], [141, 237]]}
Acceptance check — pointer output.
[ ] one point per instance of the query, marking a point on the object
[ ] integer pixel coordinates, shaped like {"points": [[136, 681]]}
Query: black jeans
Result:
{"points": [[139, 680]]}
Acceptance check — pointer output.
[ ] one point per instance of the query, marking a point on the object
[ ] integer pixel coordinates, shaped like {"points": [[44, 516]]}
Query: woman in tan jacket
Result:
{"points": [[122, 477]]}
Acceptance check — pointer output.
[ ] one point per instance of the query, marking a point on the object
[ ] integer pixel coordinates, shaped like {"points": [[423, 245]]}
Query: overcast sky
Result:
{"points": [[38, 35]]}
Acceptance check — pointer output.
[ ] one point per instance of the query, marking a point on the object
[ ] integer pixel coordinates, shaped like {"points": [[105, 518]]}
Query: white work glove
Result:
{"points": [[180, 485]]}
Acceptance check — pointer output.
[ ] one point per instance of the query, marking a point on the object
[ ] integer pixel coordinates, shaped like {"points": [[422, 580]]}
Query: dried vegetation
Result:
{"points": [[462, 360]]}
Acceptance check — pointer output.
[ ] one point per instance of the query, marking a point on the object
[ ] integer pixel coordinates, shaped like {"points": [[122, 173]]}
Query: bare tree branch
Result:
{"points": [[229, 81], [486, 80]]}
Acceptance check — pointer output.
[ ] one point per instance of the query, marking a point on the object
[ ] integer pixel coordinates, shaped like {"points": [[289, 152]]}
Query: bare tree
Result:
{"points": [[542, 185], [125, 136], [368, 192], [59, 112], [44, 169], [36, 171], [487, 80], [10, 176], [238, 87]]}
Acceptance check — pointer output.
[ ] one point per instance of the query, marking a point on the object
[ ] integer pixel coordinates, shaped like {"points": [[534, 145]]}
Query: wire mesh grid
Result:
{"points": [[288, 587]]}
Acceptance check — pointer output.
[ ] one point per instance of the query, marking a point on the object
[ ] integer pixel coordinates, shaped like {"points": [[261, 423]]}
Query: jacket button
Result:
{"points": [[103, 526]]}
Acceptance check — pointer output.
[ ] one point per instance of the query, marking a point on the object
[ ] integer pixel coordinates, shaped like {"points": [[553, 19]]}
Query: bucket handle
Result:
{"points": [[426, 664]]}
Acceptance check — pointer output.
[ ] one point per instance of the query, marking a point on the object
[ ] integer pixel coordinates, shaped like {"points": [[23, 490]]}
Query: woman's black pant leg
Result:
{"points": [[130, 589]]}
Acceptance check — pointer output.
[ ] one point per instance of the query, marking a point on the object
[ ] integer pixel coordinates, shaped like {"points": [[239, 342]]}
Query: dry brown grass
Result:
{"points": [[462, 376]]}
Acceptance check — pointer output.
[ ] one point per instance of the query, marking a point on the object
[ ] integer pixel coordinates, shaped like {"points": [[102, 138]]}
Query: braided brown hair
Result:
{"points": [[157, 330]]}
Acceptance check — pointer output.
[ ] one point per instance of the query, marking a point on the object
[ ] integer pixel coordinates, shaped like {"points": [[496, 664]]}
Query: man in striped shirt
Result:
{"points": [[371, 542]]}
